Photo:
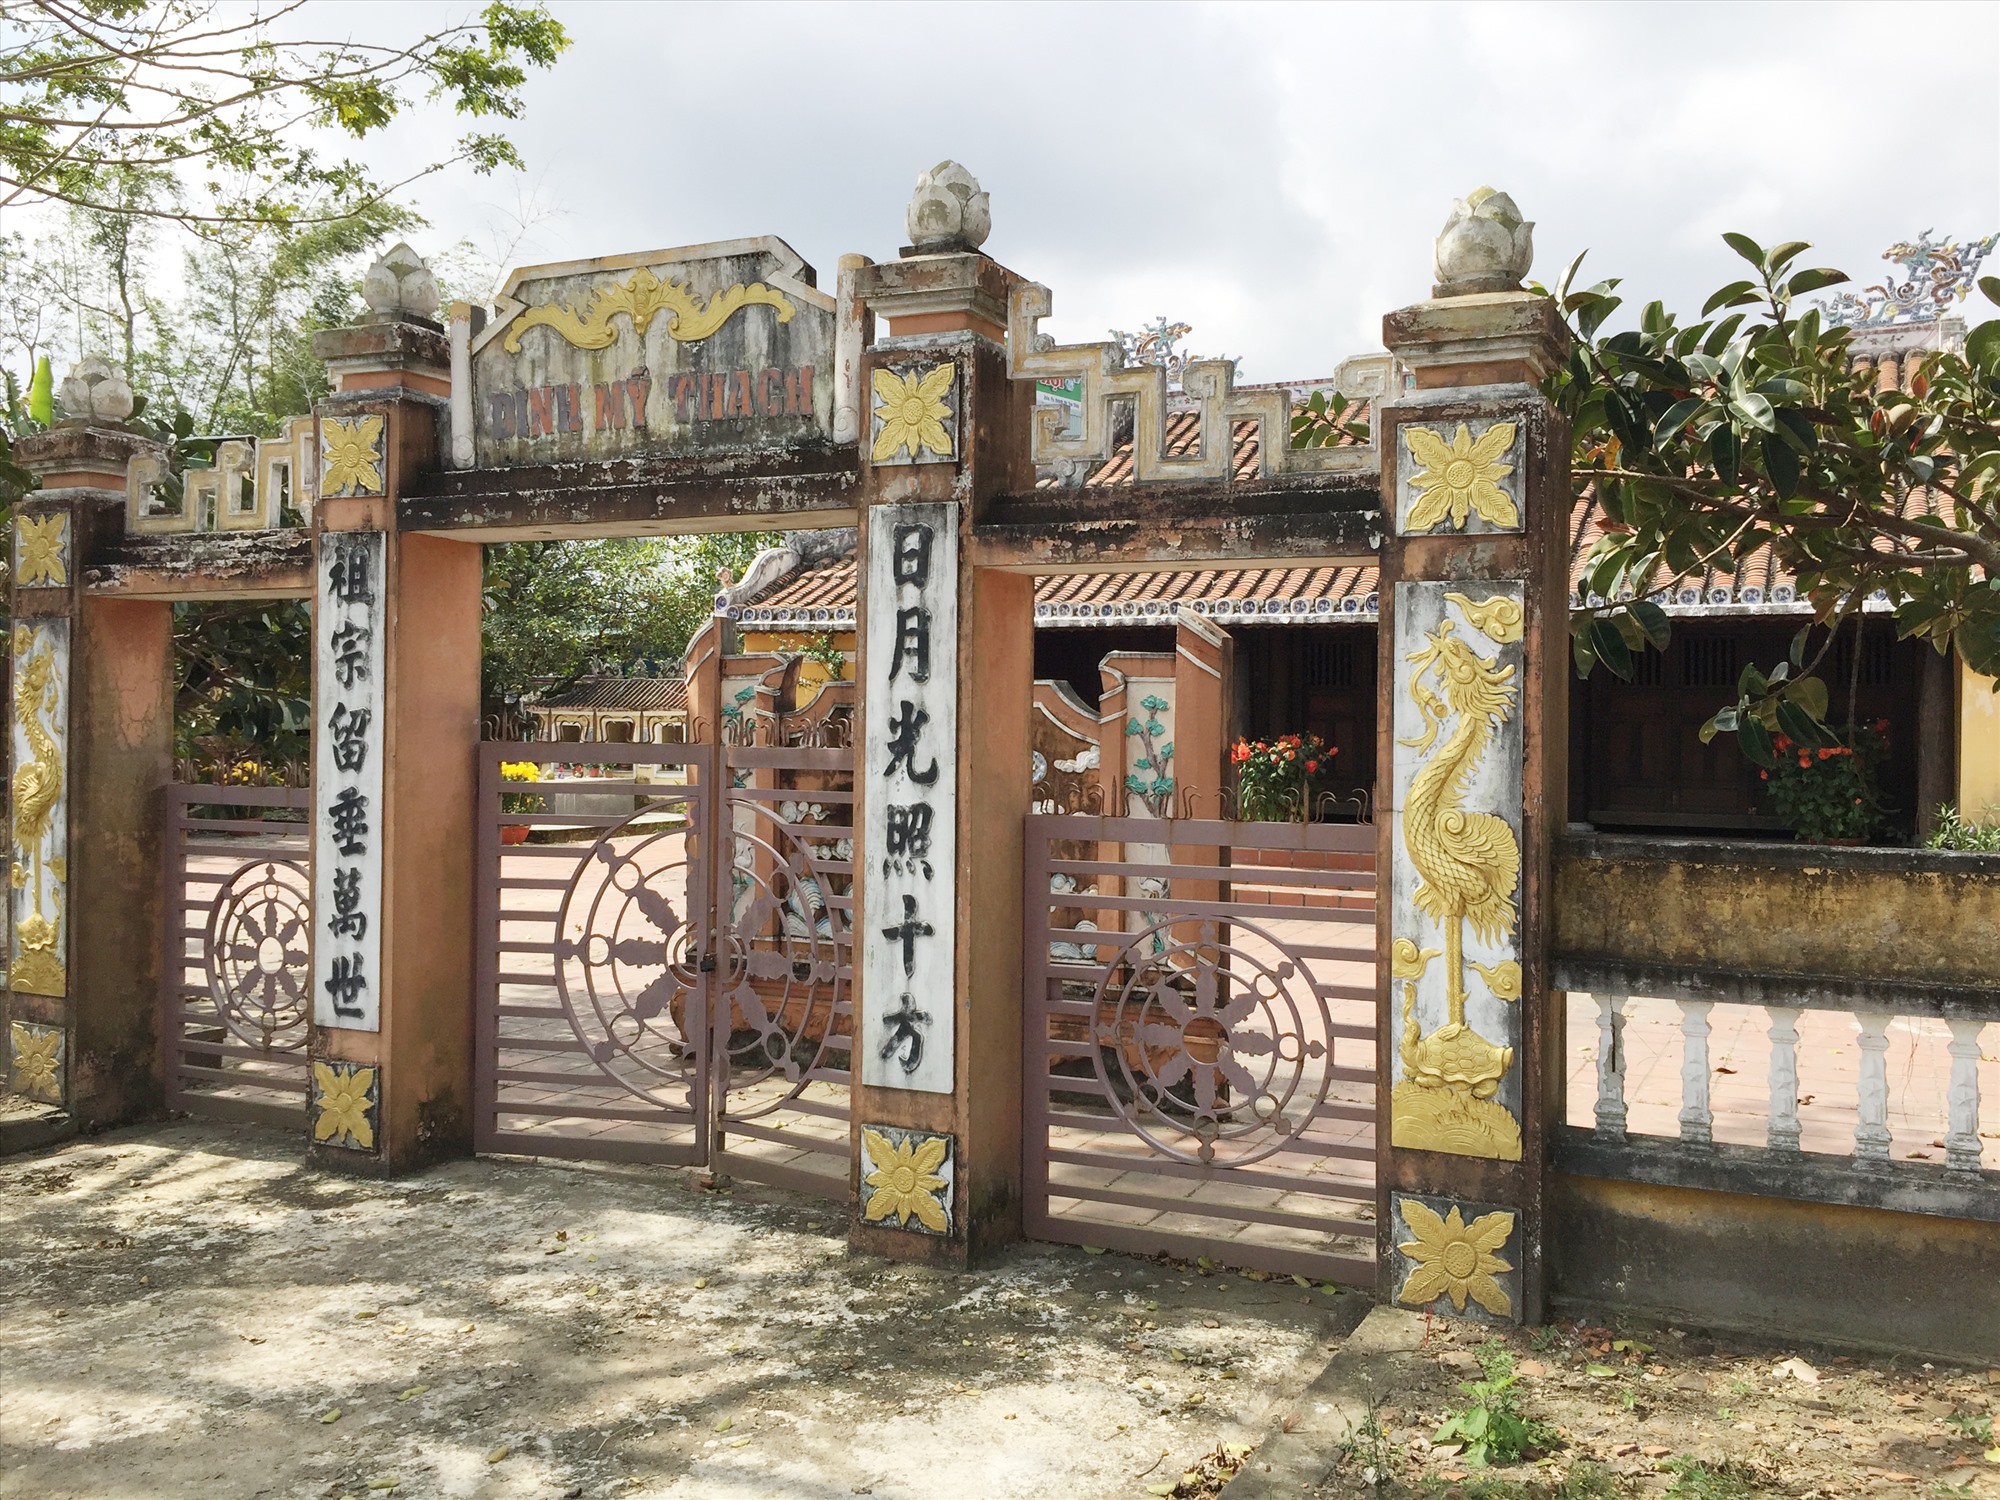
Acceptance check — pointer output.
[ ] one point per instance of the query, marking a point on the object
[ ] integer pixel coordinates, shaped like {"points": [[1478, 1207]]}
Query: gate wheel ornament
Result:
{"points": [[628, 965], [257, 956], [1207, 1048]]}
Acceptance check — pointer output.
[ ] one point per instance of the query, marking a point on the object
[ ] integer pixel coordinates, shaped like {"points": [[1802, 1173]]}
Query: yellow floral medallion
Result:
{"points": [[1461, 477], [905, 1184], [912, 412], [42, 551], [37, 1062], [341, 1094], [350, 456], [1455, 1259]]}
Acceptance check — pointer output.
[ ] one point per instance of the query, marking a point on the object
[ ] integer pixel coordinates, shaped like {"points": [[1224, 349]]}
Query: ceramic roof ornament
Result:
{"points": [[401, 285], [1486, 246], [948, 212], [94, 391]]}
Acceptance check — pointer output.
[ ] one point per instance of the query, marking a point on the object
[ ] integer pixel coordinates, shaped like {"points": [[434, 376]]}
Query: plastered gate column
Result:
{"points": [[396, 640], [92, 724], [943, 751], [1474, 656]]}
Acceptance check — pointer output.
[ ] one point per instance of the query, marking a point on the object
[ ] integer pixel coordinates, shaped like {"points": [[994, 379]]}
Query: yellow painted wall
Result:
{"points": [[1978, 747], [780, 642]]}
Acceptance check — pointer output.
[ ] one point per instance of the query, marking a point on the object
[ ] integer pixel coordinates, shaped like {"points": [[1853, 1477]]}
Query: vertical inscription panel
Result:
{"points": [[909, 843], [348, 625]]}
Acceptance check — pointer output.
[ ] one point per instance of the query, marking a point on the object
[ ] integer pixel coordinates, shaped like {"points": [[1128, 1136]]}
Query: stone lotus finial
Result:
{"points": [[400, 285], [1486, 246], [94, 391], [948, 211]]}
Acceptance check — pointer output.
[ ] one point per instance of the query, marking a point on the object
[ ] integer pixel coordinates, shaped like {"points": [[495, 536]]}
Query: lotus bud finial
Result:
{"points": [[400, 285], [1486, 246], [94, 391], [948, 212]]}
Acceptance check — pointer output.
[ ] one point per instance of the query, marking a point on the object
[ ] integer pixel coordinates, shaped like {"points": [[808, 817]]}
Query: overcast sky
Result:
{"points": [[1272, 175]]}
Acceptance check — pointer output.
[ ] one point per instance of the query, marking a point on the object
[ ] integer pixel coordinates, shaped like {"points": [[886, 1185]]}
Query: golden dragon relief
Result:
{"points": [[38, 965], [1470, 864], [643, 298]]}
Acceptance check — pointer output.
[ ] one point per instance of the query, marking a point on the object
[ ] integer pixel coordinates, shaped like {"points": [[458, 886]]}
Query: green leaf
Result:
{"points": [[1674, 418], [1797, 723], [1781, 463], [1756, 410], [1750, 683], [1746, 247], [1727, 296], [1982, 345], [1813, 280], [1653, 620], [1780, 256], [1724, 451], [1581, 654], [1990, 285], [1611, 649], [1810, 694], [1755, 742]]}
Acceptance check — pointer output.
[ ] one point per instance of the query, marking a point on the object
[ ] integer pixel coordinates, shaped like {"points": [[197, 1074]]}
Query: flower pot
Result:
{"points": [[513, 833]]}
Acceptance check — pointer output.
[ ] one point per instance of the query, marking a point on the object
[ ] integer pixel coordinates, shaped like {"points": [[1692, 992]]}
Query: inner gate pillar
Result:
{"points": [[92, 726], [396, 640], [947, 656], [1474, 656]]}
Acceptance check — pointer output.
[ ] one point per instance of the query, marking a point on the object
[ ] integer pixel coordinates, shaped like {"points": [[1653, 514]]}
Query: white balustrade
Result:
{"points": [[1871, 1134], [1784, 1128], [1611, 1067], [1961, 1143], [1697, 1118]]}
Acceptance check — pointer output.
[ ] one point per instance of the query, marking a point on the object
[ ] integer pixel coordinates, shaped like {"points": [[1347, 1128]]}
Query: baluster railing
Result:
{"points": [[1961, 1142], [1611, 1067], [1871, 1134], [1784, 1131], [1697, 1117]]}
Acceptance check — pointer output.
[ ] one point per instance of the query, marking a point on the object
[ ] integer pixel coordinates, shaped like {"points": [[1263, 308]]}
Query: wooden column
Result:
{"points": [[92, 722], [943, 768], [396, 634], [1474, 655]]}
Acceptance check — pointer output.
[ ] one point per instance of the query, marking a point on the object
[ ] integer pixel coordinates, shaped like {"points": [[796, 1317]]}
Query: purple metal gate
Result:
{"points": [[664, 958], [236, 987], [1199, 1040]]}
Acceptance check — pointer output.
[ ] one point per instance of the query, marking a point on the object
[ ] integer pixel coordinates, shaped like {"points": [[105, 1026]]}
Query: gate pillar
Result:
{"points": [[947, 657], [1474, 656], [395, 738], [92, 723]]}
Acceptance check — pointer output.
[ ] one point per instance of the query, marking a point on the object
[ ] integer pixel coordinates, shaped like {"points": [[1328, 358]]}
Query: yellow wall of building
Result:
{"points": [[782, 642], [1978, 747]]}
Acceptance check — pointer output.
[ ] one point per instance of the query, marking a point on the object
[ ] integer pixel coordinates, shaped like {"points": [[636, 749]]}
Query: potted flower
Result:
{"points": [[1828, 794], [518, 802], [1278, 781]]}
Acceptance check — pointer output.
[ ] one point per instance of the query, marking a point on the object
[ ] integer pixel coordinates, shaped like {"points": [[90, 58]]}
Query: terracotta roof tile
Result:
{"points": [[641, 694]]}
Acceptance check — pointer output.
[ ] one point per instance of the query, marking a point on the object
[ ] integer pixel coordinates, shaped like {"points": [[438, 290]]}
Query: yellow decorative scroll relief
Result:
{"points": [[912, 412], [905, 1184], [1455, 1259], [642, 299], [341, 1094], [39, 967], [1498, 619], [1470, 864], [350, 456], [42, 556], [1461, 477]]}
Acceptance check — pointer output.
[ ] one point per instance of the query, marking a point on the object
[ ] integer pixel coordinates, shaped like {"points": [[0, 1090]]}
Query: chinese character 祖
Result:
{"points": [[903, 731], [905, 1041], [347, 574], [913, 639], [345, 986], [913, 554], [350, 736], [350, 653], [907, 932], [349, 812], [348, 919]]}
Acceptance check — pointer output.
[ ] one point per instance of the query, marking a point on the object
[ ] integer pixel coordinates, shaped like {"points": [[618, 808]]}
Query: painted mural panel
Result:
{"points": [[40, 872], [700, 349], [348, 626], [1455, 955], [909, 838]]}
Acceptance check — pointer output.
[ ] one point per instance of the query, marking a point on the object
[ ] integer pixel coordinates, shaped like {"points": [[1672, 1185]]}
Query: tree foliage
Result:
{"points": [[1751, 428], [233, 98]]}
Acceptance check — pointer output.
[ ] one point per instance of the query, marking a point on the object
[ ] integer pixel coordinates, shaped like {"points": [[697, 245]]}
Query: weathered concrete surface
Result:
{"points": [[182, 1307]]}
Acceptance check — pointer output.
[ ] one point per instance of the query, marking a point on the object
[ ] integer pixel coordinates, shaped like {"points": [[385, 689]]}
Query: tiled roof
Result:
{"points": [[639, 694]]}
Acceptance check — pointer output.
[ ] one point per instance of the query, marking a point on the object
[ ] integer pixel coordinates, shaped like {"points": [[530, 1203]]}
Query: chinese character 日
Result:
{"points": [[912, 552]]}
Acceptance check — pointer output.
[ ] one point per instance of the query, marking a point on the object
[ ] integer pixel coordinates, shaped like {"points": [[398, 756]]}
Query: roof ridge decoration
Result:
{"points": [[642, 297], [1209, 384], [1937, 276]]}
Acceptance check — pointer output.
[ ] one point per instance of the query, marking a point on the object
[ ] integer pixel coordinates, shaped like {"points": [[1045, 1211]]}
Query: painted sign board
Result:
{"points": [[909, 834], [708, 348]]}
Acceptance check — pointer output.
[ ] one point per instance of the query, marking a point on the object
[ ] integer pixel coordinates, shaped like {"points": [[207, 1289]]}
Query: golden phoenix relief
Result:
{"points": [[1469, 864], [350, 456], [39, 966], [641, 299], [1455, 1259], [41, 554], [1461, 477]]}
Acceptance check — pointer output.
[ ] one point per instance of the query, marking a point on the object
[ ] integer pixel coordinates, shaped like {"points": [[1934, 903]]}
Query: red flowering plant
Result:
{"points": [[1279, 781], [1828, 792]]}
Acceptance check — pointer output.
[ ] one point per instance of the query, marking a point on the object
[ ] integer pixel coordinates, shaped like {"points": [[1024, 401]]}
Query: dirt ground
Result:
{"points": [[189, 1311], [1642, 1410]]}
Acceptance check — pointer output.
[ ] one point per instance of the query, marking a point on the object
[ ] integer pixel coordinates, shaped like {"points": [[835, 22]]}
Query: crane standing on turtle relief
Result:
{"points": [[1470, 867]]}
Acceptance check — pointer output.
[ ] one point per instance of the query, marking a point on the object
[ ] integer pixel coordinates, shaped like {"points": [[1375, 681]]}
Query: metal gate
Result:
{"points": [[664, 957], [1199, 1040], [237, 981]]}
